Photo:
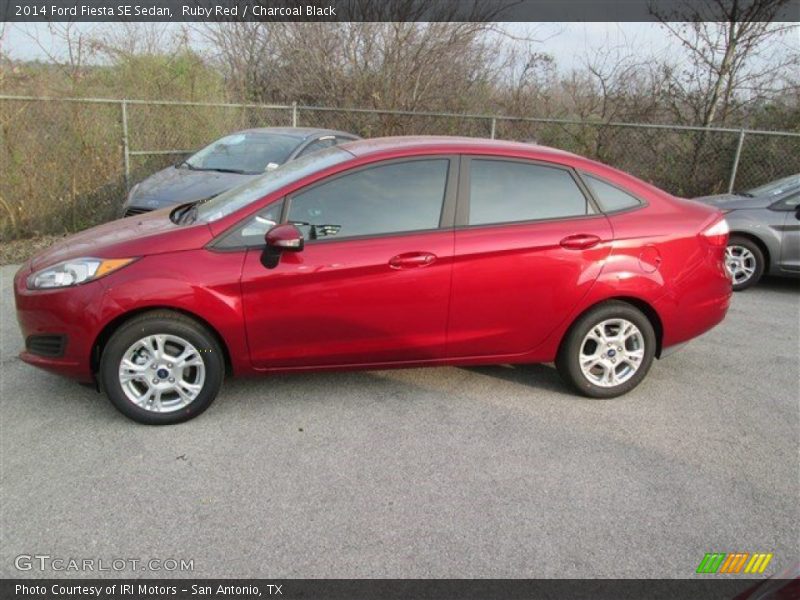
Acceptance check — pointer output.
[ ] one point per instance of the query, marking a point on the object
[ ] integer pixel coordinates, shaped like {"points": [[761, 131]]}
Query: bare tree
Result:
{"points": [[154, 60], [525, 75], [69, 46], [129, 39], [4, 16], [246, 53], [3, 29], [734, 56], [409, 66], [402, 65], [4, 62], [738, 58]]}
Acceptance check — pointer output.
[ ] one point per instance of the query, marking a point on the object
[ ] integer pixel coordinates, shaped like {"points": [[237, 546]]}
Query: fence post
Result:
{"points": [[125, 150], [294, 114], [494, 127], [736, 161]]}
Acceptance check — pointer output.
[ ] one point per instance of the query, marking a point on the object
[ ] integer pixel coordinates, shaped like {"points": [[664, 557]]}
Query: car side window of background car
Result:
{"points": [[609, 197], [790, 203], [252, 231], [390, 198], [508, 191], [320, 144]]}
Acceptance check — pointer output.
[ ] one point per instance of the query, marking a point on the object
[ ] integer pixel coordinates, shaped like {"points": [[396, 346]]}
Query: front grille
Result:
{"points": [[51, 346], [134, 210]]}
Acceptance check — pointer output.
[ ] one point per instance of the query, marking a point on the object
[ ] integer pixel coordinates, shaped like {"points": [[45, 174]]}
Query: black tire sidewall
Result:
{"points": [[129, 333], [736, 240], [568, 361]]}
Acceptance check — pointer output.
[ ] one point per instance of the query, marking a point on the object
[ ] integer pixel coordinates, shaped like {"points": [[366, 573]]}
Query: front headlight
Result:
{"points": [[74, 272]]}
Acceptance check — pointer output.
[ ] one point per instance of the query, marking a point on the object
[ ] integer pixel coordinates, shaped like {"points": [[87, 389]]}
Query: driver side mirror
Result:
{"points": [[284, 237], [280, 239]]}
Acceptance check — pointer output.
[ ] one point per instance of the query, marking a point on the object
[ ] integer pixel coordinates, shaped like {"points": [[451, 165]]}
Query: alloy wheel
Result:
{"points": [[162, 373], [740, 263], [612, 352]]}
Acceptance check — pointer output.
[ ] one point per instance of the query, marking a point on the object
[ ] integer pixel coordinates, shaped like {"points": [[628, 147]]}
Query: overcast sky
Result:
{"points": [[568, 43]]}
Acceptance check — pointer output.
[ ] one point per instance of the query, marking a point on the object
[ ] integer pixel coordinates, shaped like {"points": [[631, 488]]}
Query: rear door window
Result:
{"points": [[504, 191]]}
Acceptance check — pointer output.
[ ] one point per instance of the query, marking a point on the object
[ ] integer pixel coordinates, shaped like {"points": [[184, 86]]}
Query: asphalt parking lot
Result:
{"points": [[446, 472]]}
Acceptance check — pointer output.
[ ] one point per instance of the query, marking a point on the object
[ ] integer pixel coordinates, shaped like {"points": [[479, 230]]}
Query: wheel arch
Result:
{"points": [[105, 334], [758, 242], [644, 307]]}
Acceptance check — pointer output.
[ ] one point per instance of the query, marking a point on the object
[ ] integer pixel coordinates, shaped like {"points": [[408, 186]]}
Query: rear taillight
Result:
{"points": [[717, 233]]}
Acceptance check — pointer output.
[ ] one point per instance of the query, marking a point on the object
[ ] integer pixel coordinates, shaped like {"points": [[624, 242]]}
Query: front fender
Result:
{"points": [[199, 283]]}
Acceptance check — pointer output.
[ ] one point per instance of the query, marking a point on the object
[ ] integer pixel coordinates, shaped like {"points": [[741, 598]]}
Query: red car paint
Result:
{"points": [[459, 295]]}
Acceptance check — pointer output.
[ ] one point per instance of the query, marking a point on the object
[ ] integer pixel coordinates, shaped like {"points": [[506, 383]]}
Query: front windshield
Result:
{"points": [[775, 188], [240, 196], [248, 152]]}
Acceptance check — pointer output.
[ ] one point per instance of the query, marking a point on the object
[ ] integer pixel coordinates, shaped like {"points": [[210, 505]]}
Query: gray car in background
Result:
{"points": [[765, 230], [226, 163]]}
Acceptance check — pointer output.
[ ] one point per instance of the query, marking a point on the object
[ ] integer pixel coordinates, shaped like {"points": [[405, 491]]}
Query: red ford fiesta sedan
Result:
{"points": [[392, 252]]}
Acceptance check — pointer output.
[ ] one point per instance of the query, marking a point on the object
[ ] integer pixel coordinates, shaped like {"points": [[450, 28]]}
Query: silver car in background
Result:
{"points": [[228, 162], [765, 230]]}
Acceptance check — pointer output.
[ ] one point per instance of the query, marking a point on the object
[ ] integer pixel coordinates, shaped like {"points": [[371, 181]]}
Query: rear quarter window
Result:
{"points": [[610, 197]]}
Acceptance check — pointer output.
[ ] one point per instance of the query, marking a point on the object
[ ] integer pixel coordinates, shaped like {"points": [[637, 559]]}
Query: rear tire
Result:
{"points": [[161, 368], [745, 261], [608, 351]]}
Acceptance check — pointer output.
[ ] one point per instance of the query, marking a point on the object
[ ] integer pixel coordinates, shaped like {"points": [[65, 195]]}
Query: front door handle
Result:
{"points": [[580, 241], [412, 260]]}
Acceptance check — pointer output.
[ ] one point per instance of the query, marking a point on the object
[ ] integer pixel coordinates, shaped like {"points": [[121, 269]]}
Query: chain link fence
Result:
{"points": [[66, 164]]}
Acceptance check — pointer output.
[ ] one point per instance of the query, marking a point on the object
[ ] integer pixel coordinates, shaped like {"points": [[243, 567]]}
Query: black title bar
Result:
{"points": [[387, 10], [396, 589]]}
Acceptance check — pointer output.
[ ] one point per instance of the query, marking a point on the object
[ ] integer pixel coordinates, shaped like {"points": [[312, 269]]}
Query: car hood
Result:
{"points": [[176, 186], [148, 234], [734, 202]]}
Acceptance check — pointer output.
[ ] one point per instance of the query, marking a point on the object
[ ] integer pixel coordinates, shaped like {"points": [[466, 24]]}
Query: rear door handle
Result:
{"points": [[412, 260], [580, 241]]}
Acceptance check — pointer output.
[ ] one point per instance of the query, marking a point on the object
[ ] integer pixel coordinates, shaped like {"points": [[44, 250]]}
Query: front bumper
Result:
{"points": [[68, 312]]}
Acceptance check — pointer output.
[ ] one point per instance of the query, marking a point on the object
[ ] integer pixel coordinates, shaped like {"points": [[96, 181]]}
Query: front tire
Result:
{"points": [[161, 368], [608, 351], [745, 262]]}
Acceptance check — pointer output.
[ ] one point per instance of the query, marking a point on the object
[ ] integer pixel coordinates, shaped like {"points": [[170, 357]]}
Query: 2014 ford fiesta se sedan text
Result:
{"points": [[393, 252]]}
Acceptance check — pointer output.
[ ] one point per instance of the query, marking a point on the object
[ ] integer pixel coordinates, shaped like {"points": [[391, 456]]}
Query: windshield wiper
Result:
{"points": [[190, 166], [220, 170]]}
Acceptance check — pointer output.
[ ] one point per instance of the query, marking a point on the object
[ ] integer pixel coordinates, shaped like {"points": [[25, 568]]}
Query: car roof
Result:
{"points": [[299, 132], [455, 144], [777, 188], [389, 147]]}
